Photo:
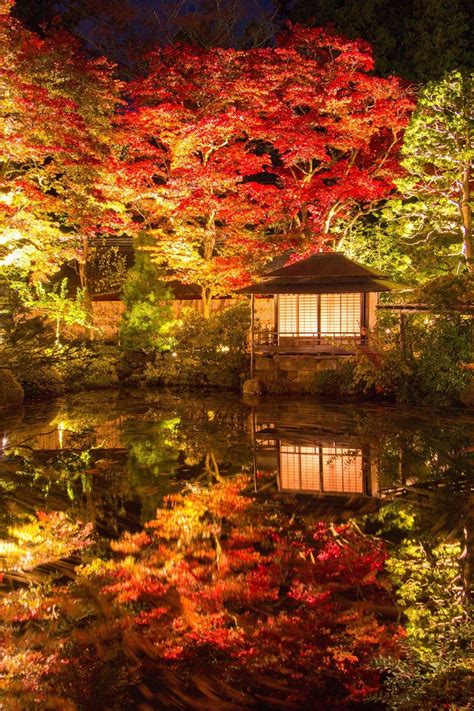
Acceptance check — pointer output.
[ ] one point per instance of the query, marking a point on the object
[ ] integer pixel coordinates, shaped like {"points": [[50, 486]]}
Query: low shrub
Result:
{"points": [[382, 372], [11, 392], [90, 369], [205, 352], [429, 371], [338, 383], [442, 348], [101, 373]]}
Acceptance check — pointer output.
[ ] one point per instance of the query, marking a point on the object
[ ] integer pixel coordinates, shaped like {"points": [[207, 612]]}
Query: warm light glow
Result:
{"points": [[312, 315], [329, 469], [61, 429], [6, 198], [8, 236]]}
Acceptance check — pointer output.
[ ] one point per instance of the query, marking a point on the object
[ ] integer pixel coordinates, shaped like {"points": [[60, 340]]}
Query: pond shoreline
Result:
{"points": [[5, 407]]}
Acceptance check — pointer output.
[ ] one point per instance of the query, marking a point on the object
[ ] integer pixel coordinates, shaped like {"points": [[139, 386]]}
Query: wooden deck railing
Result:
{"points": [[269, 339]]}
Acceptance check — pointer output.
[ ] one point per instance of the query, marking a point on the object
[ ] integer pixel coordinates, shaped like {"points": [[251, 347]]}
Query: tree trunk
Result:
{"points": [[466, 216], [208, 253], [206, 296], [85, 286]]}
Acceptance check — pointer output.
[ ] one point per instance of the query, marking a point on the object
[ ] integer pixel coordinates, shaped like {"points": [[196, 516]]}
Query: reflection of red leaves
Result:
{"points": [[287, 606], [224, 583], [131, 543]]}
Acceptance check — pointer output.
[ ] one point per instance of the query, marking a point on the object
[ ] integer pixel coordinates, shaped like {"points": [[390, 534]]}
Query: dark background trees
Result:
{"points": [[417, 39]]}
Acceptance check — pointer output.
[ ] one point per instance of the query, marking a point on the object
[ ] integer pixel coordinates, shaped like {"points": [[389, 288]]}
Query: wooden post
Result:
{"points": [[254, 448], [403, 343], [252, 336]]}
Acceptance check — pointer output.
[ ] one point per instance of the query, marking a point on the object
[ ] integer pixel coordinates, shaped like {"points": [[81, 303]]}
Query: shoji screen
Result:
{"points": [[290, 473], [330, 314], [308, 314], [299, 468], [343, 470], [350, 313], [340, 313], [287, 316]]}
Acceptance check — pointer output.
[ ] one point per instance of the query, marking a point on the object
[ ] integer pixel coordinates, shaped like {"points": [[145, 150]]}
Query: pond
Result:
{"points": [[160, 550]]}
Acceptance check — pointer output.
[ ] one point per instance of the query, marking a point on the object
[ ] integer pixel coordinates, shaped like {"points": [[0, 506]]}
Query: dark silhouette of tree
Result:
{"points": [[418, 39]]}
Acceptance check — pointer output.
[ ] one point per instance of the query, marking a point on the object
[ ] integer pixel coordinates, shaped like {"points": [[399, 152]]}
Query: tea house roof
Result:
{"points": [[327, 273]]}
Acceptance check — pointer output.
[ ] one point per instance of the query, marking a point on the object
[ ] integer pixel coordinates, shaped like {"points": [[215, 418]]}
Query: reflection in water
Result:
{"points": [[313, 464], [210, 554]]}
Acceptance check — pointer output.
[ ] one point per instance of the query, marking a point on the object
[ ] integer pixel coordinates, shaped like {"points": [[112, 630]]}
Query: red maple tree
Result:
{"points": [[57, 178], [235, 155]]}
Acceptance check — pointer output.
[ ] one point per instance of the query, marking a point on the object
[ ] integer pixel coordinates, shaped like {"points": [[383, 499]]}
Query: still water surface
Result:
{"points": [[201, 552]]}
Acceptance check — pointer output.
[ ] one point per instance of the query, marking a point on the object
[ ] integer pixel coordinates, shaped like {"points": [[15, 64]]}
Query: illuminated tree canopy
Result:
{"points": [[233, 156], [57, 185]]}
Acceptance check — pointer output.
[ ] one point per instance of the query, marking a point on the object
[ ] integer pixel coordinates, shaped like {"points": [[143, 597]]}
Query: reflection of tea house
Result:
{"points": [[315, 462]]}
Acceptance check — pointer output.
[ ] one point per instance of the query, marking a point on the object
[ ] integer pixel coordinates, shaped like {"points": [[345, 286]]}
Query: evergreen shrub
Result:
{"points": [[205, 352]]}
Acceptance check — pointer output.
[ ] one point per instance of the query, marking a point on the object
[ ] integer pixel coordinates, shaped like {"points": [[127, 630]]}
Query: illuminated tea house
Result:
{"points": [[323, 304]]}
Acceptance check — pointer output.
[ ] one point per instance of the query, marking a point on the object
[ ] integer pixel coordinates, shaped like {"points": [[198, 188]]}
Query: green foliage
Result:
{"points": [[42, 383], [89, 369], [445, 292], [57, 305], [148, 317], [442, 348], [426, 581], [382, 371], [101, 373], [434, 671], [29, 348], [438, 151], [373, 241], [206, 351], [11, 392], [430, 371], [429, 573], [424, 232], [337, 384], [441, 341]]}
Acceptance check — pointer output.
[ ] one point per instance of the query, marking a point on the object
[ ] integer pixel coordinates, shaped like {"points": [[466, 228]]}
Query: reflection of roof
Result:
{"points": [[309, 436], [323, 274]]}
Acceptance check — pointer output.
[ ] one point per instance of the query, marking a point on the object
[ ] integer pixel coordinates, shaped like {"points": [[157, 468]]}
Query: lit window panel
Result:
{"points": [[310, 469], [289, 468], [343, 470], [287, 315], [302, 468], [307, 315], [340, 314]]}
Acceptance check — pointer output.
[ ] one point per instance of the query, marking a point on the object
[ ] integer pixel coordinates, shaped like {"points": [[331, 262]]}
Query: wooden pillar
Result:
{"points": [[252, 335], [403, 342], [254, 448], [276, 310]]}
